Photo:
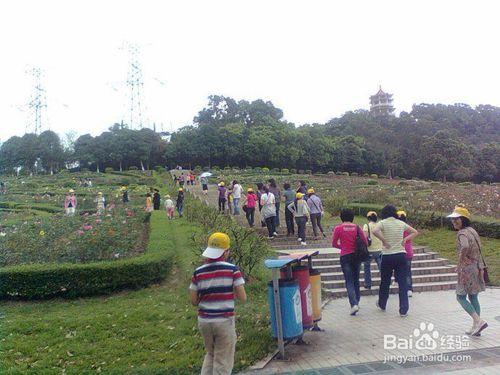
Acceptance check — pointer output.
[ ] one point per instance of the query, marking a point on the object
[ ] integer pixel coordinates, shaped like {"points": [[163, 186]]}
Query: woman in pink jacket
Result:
{"points": [[70, 203]]}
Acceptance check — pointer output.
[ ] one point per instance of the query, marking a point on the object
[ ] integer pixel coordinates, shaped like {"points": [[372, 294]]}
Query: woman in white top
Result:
{"points": [[391, 232], [268, 212], [375, 247]]}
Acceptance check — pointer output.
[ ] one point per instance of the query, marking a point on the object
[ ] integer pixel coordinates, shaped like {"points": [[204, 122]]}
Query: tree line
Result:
{"points": [[432, 141]]}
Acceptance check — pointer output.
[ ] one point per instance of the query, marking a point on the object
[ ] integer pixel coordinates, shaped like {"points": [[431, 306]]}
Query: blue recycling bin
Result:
{"points": [[291, 309]]}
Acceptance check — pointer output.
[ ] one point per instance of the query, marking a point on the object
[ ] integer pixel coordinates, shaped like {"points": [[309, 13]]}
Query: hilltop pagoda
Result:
{"points": [[381, 103]]}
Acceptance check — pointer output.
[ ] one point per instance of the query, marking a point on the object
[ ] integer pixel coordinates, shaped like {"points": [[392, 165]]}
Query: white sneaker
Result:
{"points": [[303, 243], [275, 234], [299, 239], [354, 309], [410, 293]]}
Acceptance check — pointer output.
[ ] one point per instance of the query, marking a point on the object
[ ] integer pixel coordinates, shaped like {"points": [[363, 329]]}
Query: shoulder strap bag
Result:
{"points": [[486, 277]]}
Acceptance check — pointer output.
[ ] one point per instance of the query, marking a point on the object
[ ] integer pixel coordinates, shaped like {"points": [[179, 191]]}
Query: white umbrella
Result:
{"points": [[205, 174]]}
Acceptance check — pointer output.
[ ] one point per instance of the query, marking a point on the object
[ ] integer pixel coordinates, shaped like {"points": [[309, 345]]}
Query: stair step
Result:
{"points": [[417, 287], [376, 273], [417, 279], [414, 264], [336, 261]]}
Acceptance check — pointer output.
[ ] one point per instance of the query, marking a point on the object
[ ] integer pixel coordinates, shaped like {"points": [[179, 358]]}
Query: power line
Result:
{"points": [[37, 104], [135, 84]]}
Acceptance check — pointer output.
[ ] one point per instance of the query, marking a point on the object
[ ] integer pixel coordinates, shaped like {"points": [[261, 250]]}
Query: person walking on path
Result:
{"points": [[125, 194], [374, 248], [222, 197], [302, 189], [230, 200], [273, 188], [101, 203], [149, 203], [214, 287], [471, 269], [181, 180], [260, 191], [300, 211], [391, 232], [204, 185], [344, 238], [179, 204], [156, 199], [409, 254], [251, 202], [268, 212], [289, 197], [316, 210], [169, 207], [70, 203], [237, 190]]}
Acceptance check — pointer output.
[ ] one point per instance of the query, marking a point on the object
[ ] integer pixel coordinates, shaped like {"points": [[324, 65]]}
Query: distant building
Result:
{"points": [[381, 103]]}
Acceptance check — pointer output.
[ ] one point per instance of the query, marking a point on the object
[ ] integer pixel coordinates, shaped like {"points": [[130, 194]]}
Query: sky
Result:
{"points": [[313, 59]]}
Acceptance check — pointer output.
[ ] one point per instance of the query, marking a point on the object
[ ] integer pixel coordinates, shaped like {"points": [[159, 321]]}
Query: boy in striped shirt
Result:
{"points": [[214, 286]]}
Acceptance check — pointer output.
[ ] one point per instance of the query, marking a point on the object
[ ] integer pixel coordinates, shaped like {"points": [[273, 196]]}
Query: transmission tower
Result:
{"points": [[135, 84], [37, 103]]}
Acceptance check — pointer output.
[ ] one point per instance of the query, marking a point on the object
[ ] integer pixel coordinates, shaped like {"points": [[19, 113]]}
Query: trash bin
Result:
{"points": [[315, 278], [301, 274], [291, 311]]}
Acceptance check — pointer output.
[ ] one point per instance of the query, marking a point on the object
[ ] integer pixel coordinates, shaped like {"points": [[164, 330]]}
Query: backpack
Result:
{"points": [[361, 251]]}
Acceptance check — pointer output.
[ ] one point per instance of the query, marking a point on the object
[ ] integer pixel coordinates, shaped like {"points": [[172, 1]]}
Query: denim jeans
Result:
{"points": [[290, 226], [222, 204], [316, 223], [376, 256], [250, 214], [397, 263], [277, 217], [350, 268], [179, 210], [301, 227], [236, 202], [408, 278]]}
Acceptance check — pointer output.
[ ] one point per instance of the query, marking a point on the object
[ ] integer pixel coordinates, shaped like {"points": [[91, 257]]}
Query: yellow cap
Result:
{"points": [[100, 193], [71, 191], [310, 191], [217, 243], [299, 195], [249, 190], [370, 213], [401, 213], [221, 183], [181, 189], [460, 210], [167, 196]]}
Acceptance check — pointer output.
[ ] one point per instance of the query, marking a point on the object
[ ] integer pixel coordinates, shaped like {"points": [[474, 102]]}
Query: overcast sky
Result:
{"points": [[313, 59]]}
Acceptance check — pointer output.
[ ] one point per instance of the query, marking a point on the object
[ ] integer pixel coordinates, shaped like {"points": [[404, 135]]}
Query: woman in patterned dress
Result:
{"points": [[470, 268]]}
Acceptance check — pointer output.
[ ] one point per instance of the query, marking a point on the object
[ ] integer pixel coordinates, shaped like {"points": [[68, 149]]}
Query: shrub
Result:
{"points": [[159, 169], [198, 168], [301, 171], [227, 168], [257, 169], [308, 171], [34, 185], [354, 174], [345, 173], [403, 183], [265, 170], [285, 171], [206, 169], [215, 168], [66, 184], [293, 170], [372, 182], [85, 170], [275, 170], [109, 169], [334, 203], [133, 168], [373, 175], [331, 173], [366, 175]]}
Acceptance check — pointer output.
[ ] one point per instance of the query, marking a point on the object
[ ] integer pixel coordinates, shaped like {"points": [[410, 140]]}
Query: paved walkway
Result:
{"points": [[359, 340]]}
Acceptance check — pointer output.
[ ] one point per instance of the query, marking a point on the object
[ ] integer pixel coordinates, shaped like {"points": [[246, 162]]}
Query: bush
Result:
{"points": [[275, 170], [334, 203], [285, 171], [345, 173], [109, 169], [227, 168], [373, 175], [206, 169], [133, 168], [403, 183], [372, 182], [265, 170], [308, 171], [301, 171], [197, 168], [34, 185], [331, 173], [354, 174], [257, 169], [293, 170], [159, 169], [215, 168]]}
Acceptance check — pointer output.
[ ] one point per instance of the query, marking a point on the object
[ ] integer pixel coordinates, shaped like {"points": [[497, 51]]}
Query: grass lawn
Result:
{"points": [[443, 241], [148, 331]]}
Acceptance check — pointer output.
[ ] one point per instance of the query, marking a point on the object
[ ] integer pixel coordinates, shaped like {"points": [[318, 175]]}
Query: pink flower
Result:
{"points": [[80, 232], [87, 227], [98, 221]]}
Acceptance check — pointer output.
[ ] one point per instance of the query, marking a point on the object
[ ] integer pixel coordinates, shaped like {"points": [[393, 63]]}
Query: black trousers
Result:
{"points": [[290, 226], [301, 227], [316, 223], [271, 225], [222, 204]]}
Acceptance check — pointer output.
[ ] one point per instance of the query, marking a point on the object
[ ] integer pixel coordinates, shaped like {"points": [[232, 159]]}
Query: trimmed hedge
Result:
{"points": [[432, 219], [38, 281], [34, 206]]}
